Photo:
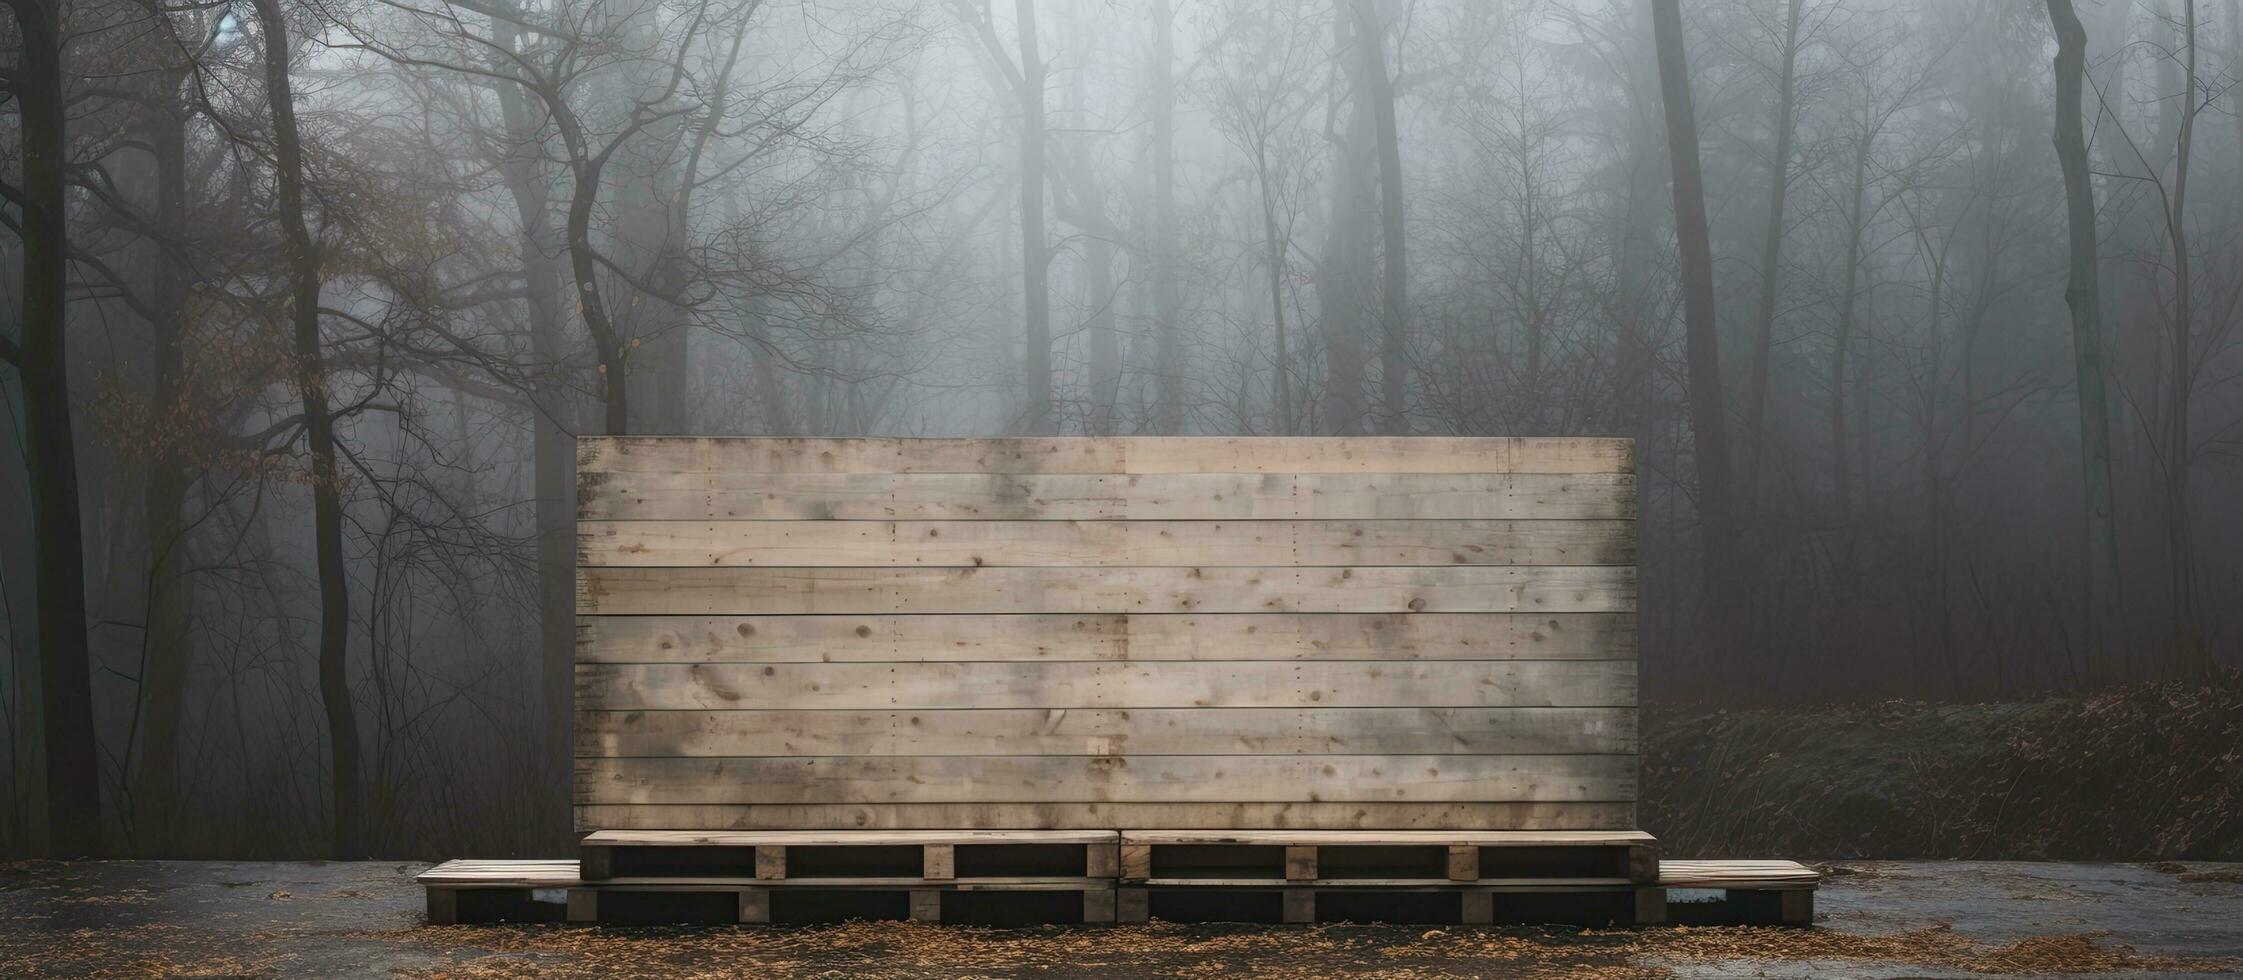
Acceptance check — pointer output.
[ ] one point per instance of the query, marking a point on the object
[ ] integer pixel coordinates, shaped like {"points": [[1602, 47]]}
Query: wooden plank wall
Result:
{"points": [[1130, 633]]}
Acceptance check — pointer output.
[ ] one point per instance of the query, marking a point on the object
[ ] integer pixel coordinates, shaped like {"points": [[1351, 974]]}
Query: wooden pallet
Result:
{"points": [[1752, 892], [1003, 901], [497, 891], [776, 857], [1370, 900], [1748, 893], [1333, 858]]}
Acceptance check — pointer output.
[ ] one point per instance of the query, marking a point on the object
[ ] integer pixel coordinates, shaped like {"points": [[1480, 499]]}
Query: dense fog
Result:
{"points": [[314, 295]]}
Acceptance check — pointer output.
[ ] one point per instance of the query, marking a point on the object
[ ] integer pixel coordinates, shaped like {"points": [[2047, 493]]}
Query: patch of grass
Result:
{"points": [[2147, 773]]}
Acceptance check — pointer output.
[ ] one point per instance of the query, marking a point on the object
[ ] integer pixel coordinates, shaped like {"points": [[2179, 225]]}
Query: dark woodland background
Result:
{"points": [[310, 296]]}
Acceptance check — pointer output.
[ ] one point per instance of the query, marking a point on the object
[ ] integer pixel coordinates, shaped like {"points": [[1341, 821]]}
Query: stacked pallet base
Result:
{"points": [[1591, 878]]}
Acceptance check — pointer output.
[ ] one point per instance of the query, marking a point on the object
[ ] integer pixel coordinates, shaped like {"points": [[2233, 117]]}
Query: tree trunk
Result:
{"points": [[1702, 344], [1168, 351], [50, 450], [1841, 470], [553, 449], [1771, 250], [1105, 342], [2181, 544], [1342, 284], [319, 435], [163, 676], [1394, 300], [1037, 416], [1275, 260]]}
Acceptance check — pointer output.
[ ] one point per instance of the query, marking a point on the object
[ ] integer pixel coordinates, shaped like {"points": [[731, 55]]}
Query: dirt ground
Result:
{"points": [[1876, 919]]}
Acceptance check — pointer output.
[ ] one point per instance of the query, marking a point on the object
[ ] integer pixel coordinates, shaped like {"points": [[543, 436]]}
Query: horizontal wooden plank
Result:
{"points": [[1197, 684], [843, 838], [1106, 636], [1766, 874], [1162, 779], [1305, 454], [1069, 544], [1153, 731], [666, 496], [792, 591], [1394, 838], [1303, 814], [536, 873]]}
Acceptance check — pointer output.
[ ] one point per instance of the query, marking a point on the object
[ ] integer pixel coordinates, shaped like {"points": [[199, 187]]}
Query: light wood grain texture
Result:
{"points": [[1197, 684], [1321, 454], [1106, 636], [786, 591], [1297, 814], [1193, 633], [1084, 731], [1748, 874], [1077, 497], [1100, 544], [839, 838], [539, 873], [1181, 779]]}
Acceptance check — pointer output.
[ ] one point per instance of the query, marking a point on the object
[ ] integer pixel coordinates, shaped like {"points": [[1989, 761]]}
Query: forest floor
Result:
{"points": [[2146, 773], [1876, 919]]}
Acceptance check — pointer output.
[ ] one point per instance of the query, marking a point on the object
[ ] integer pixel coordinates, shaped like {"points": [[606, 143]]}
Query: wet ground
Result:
{"points": [[1875, 919]]}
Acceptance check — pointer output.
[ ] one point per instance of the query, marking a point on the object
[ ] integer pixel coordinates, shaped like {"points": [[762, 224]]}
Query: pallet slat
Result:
{"points": [[1253, 684], [1189, 454], [1306, 815], [1191, 779], [880, 638], [1093, 544], [693, 496], [1104, 731], [1380, 589]]}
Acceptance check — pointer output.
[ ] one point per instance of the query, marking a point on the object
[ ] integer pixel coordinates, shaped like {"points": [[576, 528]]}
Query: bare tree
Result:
{"points": [[1708, 416], [2083, 295], [41, 359]]}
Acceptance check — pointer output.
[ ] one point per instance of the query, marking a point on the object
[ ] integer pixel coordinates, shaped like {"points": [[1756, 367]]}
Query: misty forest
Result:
{"points": [[1926, 317]]}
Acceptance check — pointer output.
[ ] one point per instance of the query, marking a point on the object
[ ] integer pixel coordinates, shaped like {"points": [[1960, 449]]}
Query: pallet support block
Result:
{"points": [[1136, 861], [926, 905], [1300, 905], [584, 906], [595, 863], [1133, 906], [1650, 906], [1300, 864], [1102, 861], [1643, 864], [939, 862], [770, 862], [1464, 862], [1798, 908], [1099, 905], [1476, 908], [443, 906], [755, 905]]}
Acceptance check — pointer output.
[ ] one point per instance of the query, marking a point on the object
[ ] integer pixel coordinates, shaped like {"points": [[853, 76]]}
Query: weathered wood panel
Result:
{"points": [[1094, 731], [1336, 634], [787, 591], [1370, 454], [1193, 684], [1137, 778], [913, 638], [1486, 815], [1100, 544], [1083, 497]]}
